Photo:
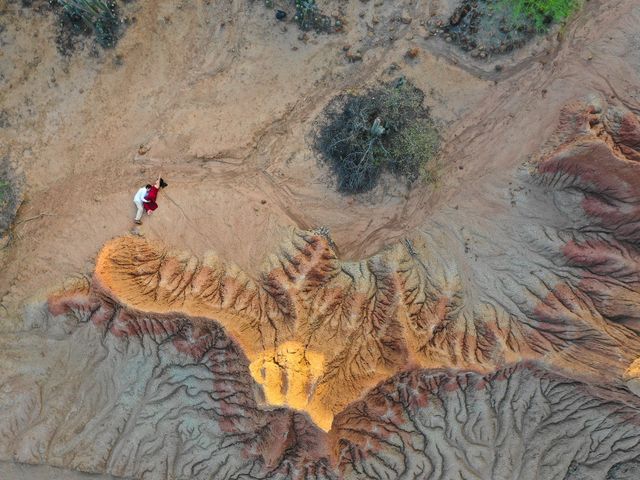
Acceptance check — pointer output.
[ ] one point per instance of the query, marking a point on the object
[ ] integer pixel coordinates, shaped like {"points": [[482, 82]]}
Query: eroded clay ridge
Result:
{"points": [[167, 366], [560, 287], [159, 397]]}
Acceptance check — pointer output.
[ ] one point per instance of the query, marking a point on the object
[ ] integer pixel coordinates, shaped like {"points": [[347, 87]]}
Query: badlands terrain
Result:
{"points": [[262, 325]]}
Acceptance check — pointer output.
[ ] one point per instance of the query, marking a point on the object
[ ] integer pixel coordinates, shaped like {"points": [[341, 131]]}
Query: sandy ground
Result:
{"points": [[223, 113], [224, 98]]}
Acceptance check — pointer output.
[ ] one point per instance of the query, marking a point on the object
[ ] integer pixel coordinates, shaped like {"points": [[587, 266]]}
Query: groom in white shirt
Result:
{"points": [[139, 199]]}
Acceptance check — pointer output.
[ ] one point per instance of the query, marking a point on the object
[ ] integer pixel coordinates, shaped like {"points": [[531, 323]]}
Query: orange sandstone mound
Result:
{"points": [[320, 332]]}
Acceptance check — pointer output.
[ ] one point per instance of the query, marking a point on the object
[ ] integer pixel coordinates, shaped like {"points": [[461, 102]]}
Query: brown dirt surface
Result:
{"points": [[260, 325]]}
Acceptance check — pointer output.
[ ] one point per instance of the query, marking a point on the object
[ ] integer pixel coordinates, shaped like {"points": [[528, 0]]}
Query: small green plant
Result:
{"points": [[305, 11], [383, 128], [96, 16], [8, 202], [308, 16], [10, 194], [544, 12], [4, 192]]}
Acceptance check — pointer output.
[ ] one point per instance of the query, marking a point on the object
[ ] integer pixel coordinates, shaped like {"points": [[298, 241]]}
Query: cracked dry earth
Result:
{"points": [[496, 335]]}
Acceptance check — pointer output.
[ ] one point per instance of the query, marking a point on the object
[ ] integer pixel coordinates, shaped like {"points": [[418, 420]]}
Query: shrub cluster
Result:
{"points": [[385, 128]]}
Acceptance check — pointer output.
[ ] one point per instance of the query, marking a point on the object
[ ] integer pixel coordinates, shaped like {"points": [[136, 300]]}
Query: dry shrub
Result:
{"points": [[385, 128]]}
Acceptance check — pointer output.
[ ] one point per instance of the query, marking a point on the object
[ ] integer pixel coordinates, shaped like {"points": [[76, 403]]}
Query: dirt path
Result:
{"points": [[223, 115]]}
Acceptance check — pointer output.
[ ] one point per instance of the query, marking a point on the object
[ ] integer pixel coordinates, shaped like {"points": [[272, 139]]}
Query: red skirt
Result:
{"points": [[150, 205]]}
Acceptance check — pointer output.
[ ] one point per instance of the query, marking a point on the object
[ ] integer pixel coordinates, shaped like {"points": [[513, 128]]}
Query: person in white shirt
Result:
{"points": [[139, 199]]}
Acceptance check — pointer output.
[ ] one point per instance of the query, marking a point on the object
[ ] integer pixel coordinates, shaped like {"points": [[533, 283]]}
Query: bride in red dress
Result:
{"points": [[152, 194]]}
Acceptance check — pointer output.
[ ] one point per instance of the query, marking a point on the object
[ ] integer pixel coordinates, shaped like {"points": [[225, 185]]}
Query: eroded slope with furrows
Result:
{"points": [[167, 366], [155, 396], [144, 396], [520, 422], [551, 278]]}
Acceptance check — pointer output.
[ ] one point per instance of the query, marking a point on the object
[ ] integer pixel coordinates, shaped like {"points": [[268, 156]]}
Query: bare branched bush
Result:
{"points": [[382, 128]]}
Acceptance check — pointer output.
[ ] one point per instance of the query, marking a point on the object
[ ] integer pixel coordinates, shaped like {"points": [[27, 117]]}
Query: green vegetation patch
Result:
{"points": [[544, 12], [487, 27], [98, 18], [385, 128], [10, 194], [306, 13], [4, 192], [309, 17]]}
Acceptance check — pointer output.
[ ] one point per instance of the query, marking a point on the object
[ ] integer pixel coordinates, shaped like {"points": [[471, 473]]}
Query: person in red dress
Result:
{"points": [[150, 203]]}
